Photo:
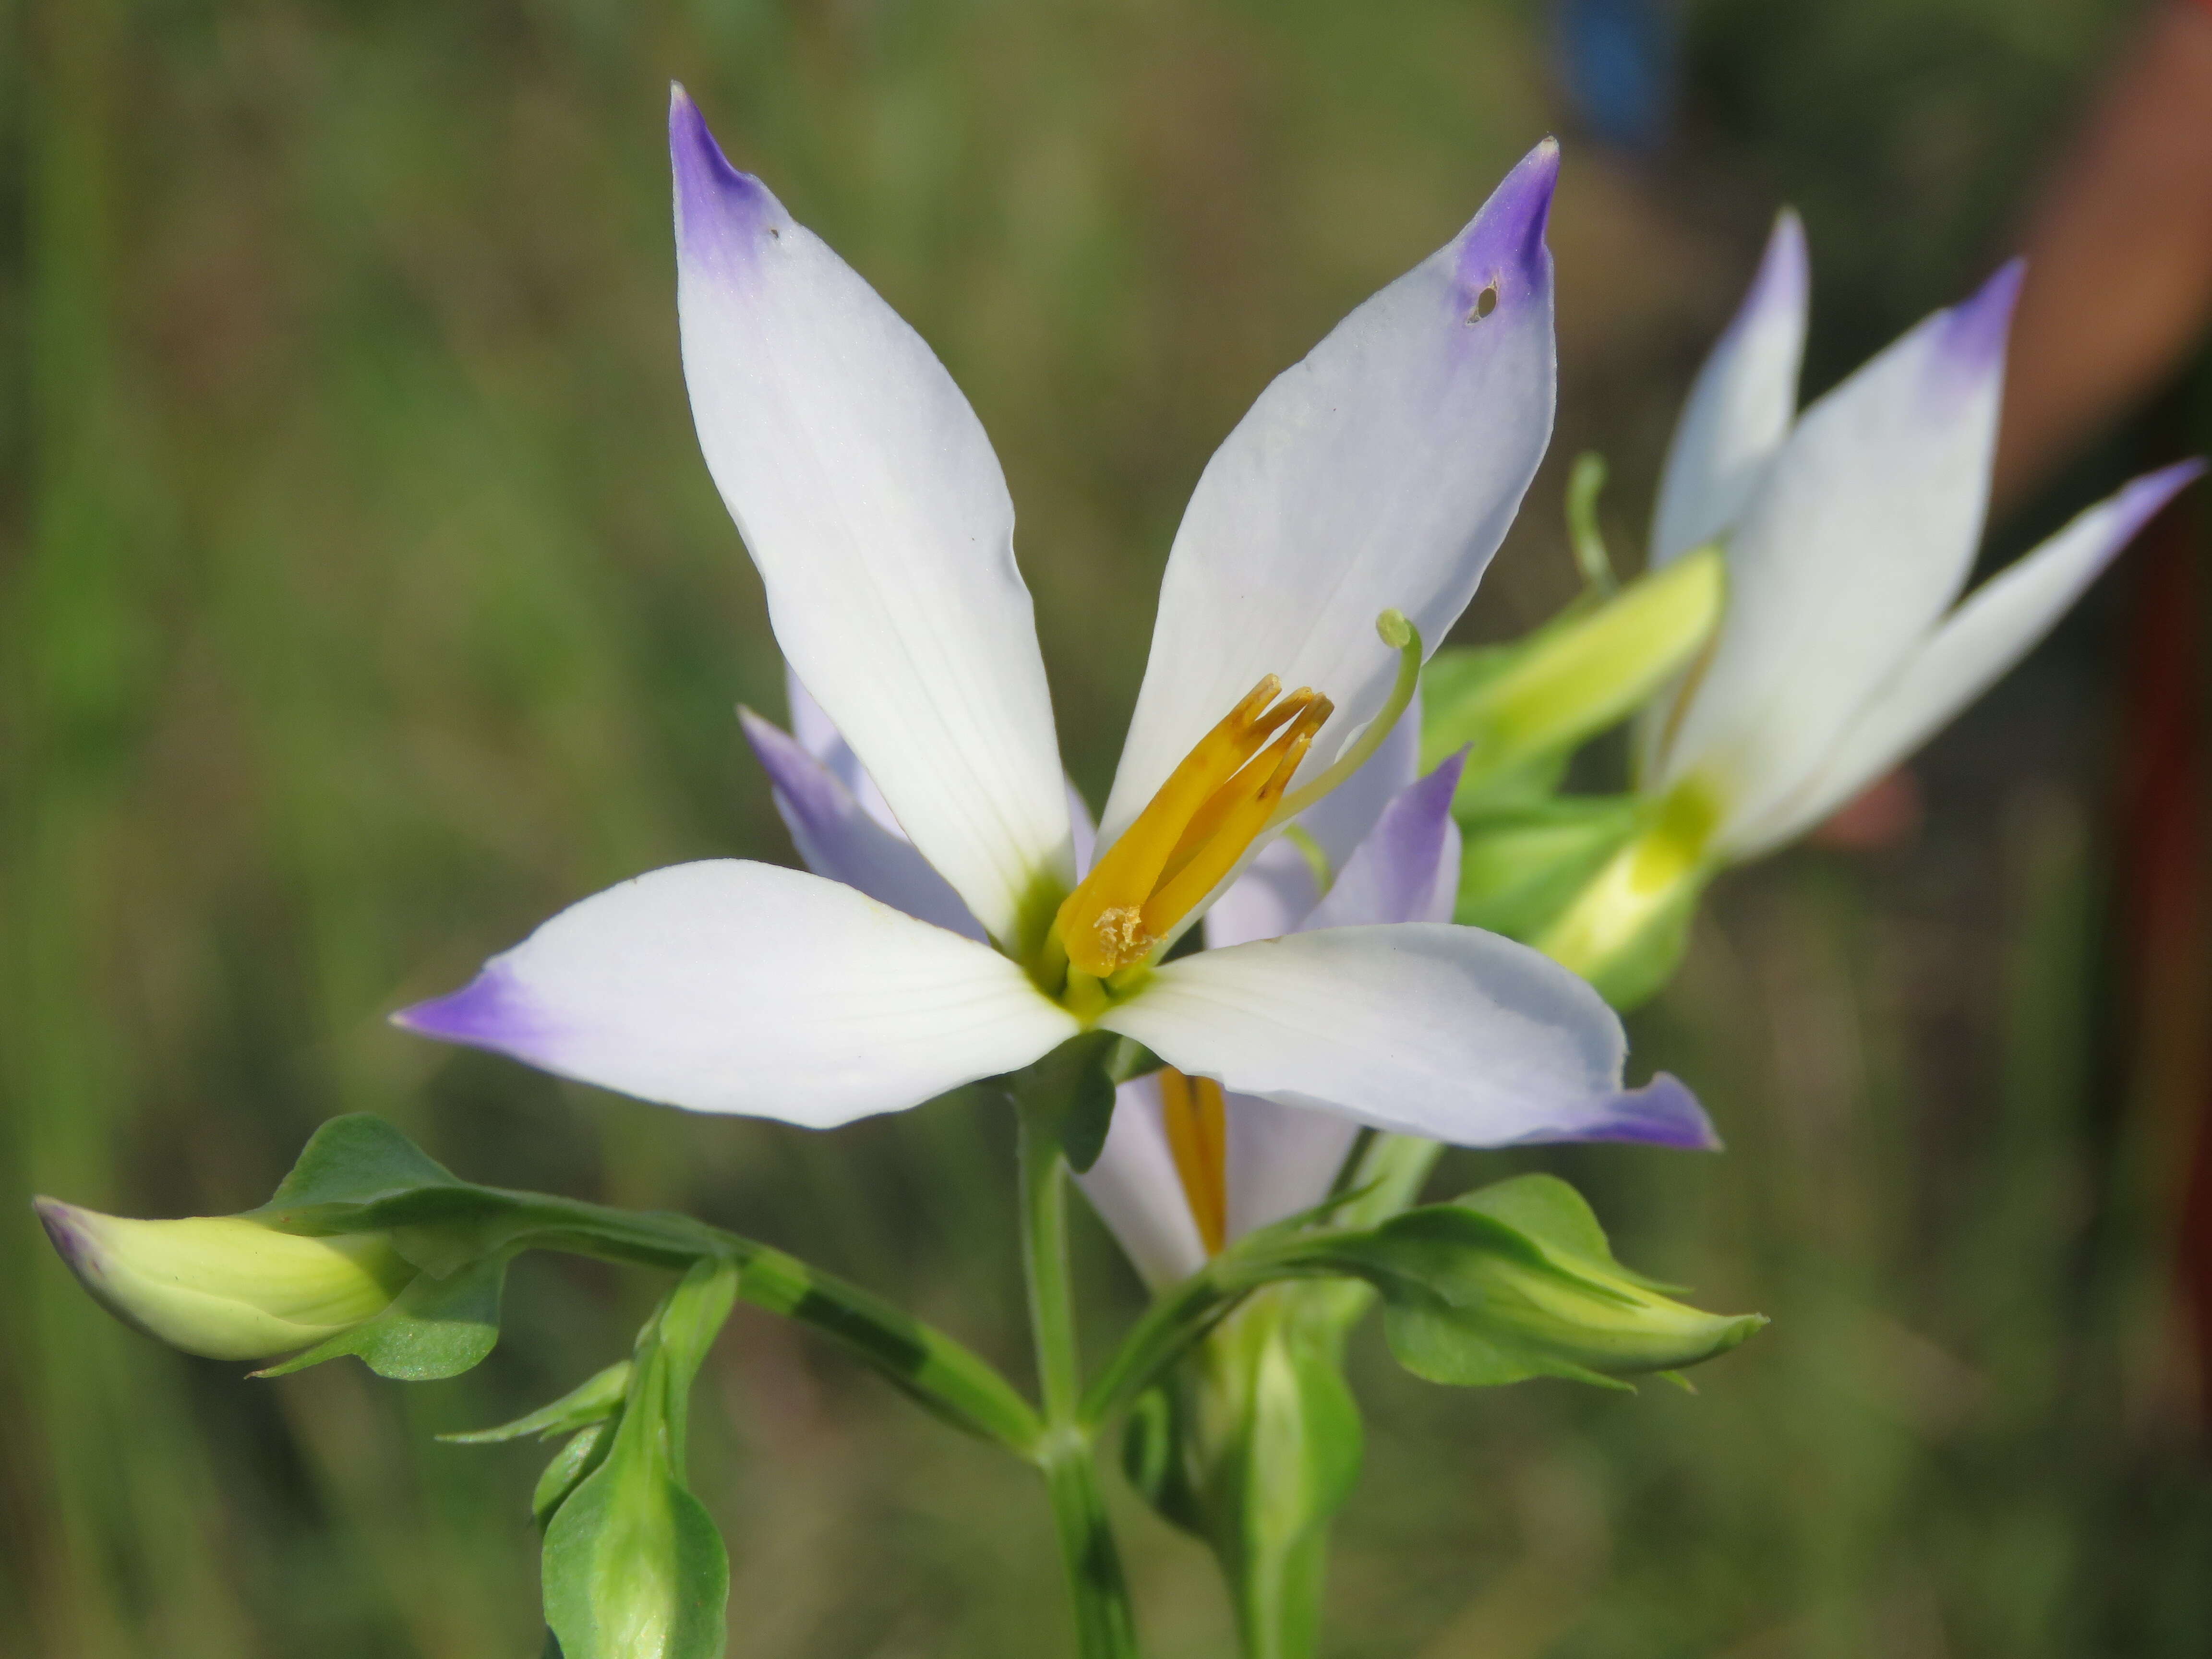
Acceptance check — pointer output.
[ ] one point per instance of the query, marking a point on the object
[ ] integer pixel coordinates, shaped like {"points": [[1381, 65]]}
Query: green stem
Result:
{"points": [[1105, 1626], [938, 1373]]}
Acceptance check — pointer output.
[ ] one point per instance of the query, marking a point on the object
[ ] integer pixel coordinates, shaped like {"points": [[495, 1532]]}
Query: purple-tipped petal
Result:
{"points": [[66, 1228], [1662, 1113], [492, 1011], [1422, 1028], [1858, 538], [1969, 345], [838, 838], [729, 987], [870, 499], [1998, 623], [1377, 474], [722, 216], [1407, 869], [1740, 409], [1503, 251]]}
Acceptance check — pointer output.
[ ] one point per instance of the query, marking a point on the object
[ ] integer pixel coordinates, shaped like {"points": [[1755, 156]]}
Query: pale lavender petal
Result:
{"points": [[1137, 1191], [1407, 869], [1282, 1159], [729, 987], [818, 736], [1276, 890], [839, 839], [1662, 1113]]}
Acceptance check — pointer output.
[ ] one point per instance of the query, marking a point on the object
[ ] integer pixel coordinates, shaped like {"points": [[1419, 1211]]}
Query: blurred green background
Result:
{"points": [[366, 600]]}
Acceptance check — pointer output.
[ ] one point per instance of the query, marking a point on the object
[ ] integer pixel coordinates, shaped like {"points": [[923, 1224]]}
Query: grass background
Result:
{"points": [[366, 600]]}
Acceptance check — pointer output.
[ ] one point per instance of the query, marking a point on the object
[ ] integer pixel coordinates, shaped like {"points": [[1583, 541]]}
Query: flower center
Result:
{"points": [[1192, 833], [1233, 785], [1197, 1123]]}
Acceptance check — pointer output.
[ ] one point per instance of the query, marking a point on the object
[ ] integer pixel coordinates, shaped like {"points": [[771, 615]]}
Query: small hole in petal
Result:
{"points": [[1485, 303], [776, 235]]}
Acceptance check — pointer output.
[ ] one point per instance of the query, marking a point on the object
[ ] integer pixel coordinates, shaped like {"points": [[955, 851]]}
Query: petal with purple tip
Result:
{"points": [[1859, 537], [876, 511], [730, 987], [836, 838], [1377, 474], [1997, 624], [1445, 1032], [1740, 408]]}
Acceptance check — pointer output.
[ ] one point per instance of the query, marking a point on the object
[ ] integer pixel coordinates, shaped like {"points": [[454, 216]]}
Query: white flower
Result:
{"points": [[946, 937], [1849, 533]]}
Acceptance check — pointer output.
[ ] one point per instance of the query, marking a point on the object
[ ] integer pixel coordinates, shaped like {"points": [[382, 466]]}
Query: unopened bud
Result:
{"points": [[225, 1286]]}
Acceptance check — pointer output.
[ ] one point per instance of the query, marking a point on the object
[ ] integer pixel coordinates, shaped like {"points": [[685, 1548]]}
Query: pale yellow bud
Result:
{"points": [[226, 1286]]}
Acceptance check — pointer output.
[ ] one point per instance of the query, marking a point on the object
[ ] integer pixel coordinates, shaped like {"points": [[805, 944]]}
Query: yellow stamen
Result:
{"points": [[1112, 920], [1232, 789], [1197, 1123]]}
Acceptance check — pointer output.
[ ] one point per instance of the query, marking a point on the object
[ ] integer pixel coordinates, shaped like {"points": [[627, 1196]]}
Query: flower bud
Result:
{"points": [[226, 1286]]}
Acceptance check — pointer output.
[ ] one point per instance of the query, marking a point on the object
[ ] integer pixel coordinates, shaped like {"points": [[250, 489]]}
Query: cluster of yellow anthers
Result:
{"points": [[1232, 786]]}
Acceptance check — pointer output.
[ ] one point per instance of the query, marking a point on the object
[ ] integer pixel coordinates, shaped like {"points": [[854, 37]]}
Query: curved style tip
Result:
{"points": [[1502, 257]]}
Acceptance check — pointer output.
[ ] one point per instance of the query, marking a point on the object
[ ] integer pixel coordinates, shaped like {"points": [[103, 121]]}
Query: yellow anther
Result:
{"points": [[1203, 811], [1232, 789], [1196, 1119]]}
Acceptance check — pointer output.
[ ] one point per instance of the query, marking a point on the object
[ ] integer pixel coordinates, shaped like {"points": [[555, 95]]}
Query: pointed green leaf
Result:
{"points": [[356, 1159], [583, 1452], [592, 1401]]}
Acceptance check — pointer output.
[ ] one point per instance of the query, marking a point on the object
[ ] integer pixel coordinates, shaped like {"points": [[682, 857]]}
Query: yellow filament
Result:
{"points": [[1113, 918], [1197, 1123]]}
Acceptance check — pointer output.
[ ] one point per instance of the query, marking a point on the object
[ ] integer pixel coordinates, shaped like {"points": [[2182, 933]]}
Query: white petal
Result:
{"points": [[839, 839], [728, 986], [1134, 1188], [1859, 537], [1276, 890], [1448, 1032], [878, 516], [1378, 473], [1999, 624], [1282, 1160], [1739, 410]]}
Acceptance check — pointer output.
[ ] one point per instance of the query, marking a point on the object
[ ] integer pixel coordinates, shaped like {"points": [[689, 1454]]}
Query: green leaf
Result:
{"points": [[1154, 1439], [356, 1159], [1070, 1093], [436, 1328], [592, 1401], [1546, 1209]]}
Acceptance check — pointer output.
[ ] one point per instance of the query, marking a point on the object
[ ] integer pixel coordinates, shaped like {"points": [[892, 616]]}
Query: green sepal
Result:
{"points": [[1071, 1094], [436, 1328], [592, 1401], [1520, 868], [633, 1566], [1521, 710], [583, 1453], [1518, 1281]]}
